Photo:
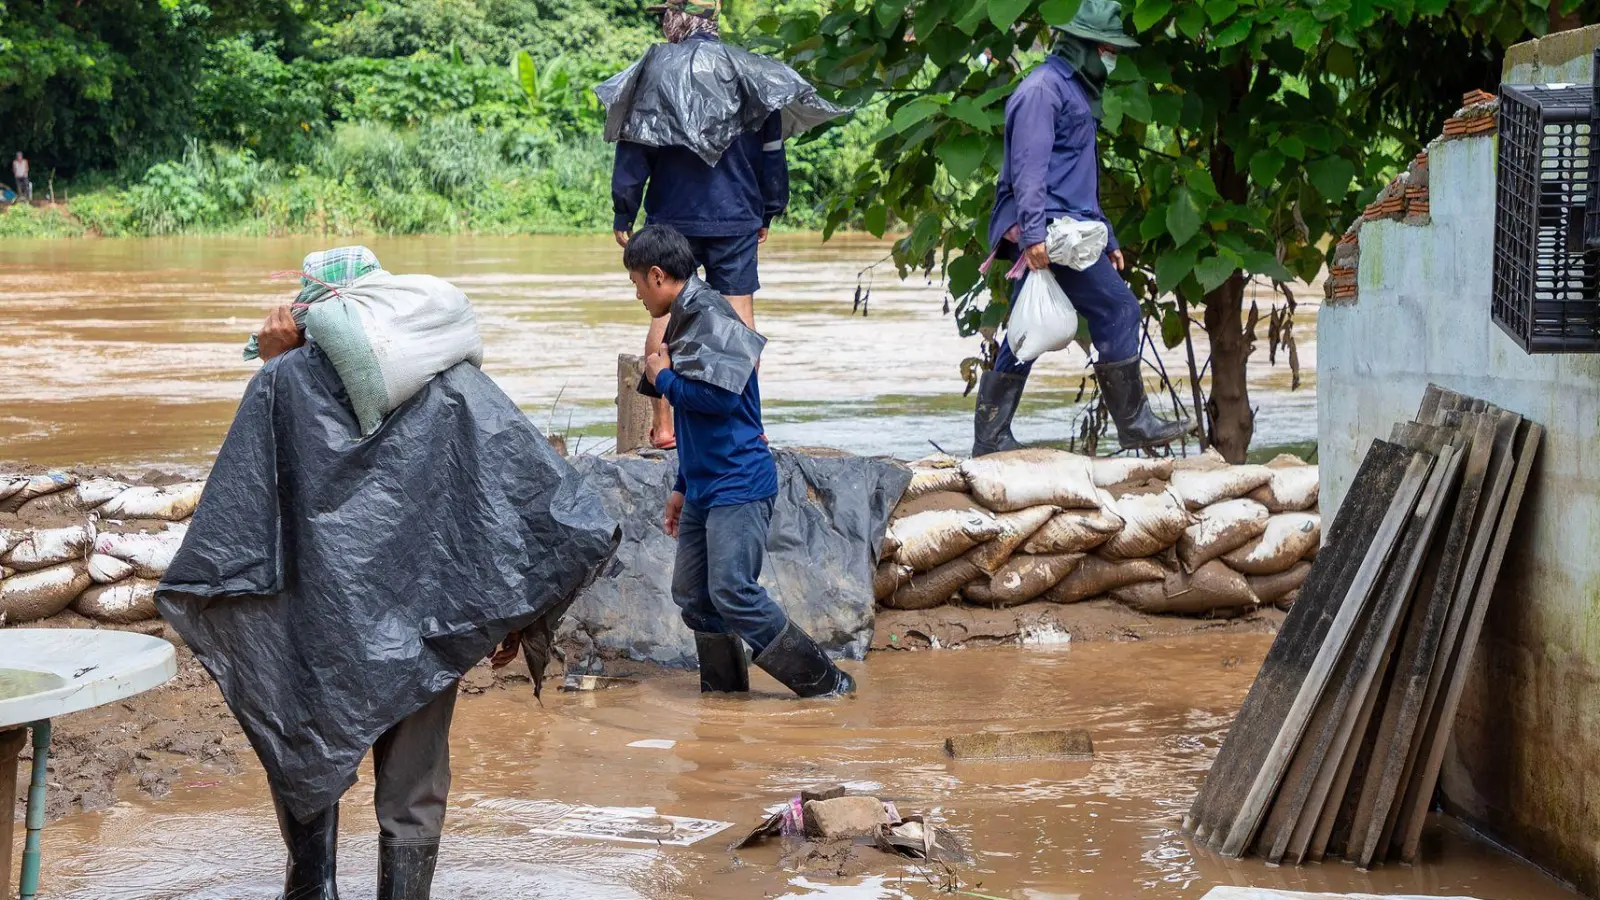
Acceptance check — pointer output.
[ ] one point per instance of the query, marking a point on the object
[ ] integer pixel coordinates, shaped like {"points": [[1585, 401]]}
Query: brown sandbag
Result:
{"points": [[85, 497], [172, 503], [1273, 588], [1287, 602], [1022, 579], [1291, 489], [931, 539], [1150, 524], [888, 548], [1289, 538], [1114, 470], [1211, 459], [31, 596], [1201, 488], [1222, 527], [888, 578], [939, 472], [1015, 528], [935, 588], [1211, 588], [1076, 530], [123, 603], [16, 490], [1095, 576], [1034, 476], [42, 548], [938, 500]]}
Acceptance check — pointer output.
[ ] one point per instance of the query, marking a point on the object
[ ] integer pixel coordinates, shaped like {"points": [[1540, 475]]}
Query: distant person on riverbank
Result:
{"points": [[724, 209], [720, 509], [19, 174], [1052, 170]]}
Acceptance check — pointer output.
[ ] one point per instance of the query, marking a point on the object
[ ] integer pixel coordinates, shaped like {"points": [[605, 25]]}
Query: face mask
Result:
{"points": [[1109, 60]]}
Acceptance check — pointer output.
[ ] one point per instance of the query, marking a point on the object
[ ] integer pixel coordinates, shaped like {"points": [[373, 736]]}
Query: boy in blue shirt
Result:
{"points": [[721, 507]]}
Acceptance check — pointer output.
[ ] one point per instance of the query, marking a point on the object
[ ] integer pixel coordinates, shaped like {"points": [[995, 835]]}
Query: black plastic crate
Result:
{"points": [[1546, 294]]}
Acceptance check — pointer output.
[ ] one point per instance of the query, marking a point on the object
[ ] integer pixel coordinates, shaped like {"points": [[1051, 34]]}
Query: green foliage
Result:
{"points": [[19, 220], [249, 96]]}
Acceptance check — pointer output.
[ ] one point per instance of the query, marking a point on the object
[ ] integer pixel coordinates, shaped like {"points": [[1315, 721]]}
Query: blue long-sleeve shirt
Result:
{"points": [[1051, 167], [743, 192], [723, 460]]}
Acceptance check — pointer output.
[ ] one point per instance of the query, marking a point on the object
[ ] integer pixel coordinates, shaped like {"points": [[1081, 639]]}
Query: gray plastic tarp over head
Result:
{"points": [[704, 94], [334, 585], [827, 527]]}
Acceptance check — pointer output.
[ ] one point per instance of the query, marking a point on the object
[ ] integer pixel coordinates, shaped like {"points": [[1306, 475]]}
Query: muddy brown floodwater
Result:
{"points": [[127, 351], [527, 778]]}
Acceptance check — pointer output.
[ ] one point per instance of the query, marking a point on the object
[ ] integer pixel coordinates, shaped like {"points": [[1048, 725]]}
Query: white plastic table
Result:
{"points": [[50, 672]]}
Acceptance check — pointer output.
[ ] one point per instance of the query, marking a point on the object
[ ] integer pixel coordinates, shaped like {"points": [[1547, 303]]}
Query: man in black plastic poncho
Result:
{"points": [[337, 587]]}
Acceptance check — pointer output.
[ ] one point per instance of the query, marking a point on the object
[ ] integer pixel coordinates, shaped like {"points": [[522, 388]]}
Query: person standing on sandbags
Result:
{"points": [[1052, 170], [720, 509]]}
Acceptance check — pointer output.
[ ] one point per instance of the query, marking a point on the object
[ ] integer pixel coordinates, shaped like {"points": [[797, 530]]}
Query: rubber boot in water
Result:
{"points": [[405, 870], [723, 666], [1122, 386], [313, 852], [801, 666], [998, 395]]}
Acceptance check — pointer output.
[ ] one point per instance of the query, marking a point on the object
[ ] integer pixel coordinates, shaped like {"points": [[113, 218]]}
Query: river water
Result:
{"points": [[529, 777], [128, 351]]}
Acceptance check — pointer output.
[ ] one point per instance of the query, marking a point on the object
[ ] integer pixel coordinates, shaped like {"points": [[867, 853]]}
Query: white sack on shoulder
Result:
{"points": [[1034, 476], [1042, 319]]}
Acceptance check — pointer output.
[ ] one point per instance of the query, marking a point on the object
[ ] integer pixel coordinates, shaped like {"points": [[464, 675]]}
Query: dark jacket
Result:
{"points": [[742, 193], [1051, 166]]}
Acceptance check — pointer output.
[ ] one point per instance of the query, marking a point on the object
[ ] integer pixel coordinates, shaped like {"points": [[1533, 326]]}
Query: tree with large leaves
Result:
{"points": [[1239, 138]]}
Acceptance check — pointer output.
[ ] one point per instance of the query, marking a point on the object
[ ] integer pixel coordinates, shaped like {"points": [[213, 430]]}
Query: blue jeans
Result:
{"points": [[1103, 299], [715, 580]]}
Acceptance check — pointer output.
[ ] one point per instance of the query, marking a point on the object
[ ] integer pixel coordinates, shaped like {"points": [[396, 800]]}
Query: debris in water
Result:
{"points": [[1074, 745], [652, 743]]}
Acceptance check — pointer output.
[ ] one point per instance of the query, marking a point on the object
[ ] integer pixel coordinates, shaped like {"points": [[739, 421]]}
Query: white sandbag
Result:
{"points": [[1286, 602], [888, 548], [1204, 462], [1150, 524], [1042, 319], [1222, 527], [1076, 244], [1094, 577], [169, 504], [926, 480], [108, 569], [74, 501], [1212, 588], [150, 553], [30, 596], [45, 547], [1022, 579], [1114, 470], [1014, 529], [1289, 489], [22, 488], [1034, 476], [936, 588], [1202, 487], [938, 500], [1274, 588], [888, 578], [1076, 530], [123, 603], [1289, 537], [930, 539]]}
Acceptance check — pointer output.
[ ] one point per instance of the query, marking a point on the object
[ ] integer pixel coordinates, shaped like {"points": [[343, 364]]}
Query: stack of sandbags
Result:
{"points": [[1191, 536], [97, 545]]}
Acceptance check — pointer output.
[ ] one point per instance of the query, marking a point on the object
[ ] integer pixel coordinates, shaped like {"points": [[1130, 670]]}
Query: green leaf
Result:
{"points": [[1191, 20], [912, 113], [962, 155], [1149, 13], [1217, 10], [1265, 166], [1136, 102], [1172, 330], [1004, 13], [994, 315], [1058, 12], [1292, 147], [876, 219], [1331, 176], [963, 275], [1173, 267], [968, 23], [967, 110], [888, 11], [1306, 31], [1233, 34], [1341, 61], [1183, 216], [1213, 271], [946, 45], [1259, 262]]}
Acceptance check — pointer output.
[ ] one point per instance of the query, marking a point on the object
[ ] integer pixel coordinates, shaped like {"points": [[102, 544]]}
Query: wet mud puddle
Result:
{"points": [[638, 792]]}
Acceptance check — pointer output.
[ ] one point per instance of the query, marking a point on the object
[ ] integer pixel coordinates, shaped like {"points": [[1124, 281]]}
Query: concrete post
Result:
{"points": [[633, 408]]}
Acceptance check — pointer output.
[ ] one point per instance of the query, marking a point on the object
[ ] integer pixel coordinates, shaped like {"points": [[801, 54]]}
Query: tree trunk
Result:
{"points": [[1232, 419]]}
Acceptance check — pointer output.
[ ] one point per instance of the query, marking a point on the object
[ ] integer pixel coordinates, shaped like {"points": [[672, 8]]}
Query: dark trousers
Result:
{"points": [[411, 771], [1103, 299], [715, 580]]}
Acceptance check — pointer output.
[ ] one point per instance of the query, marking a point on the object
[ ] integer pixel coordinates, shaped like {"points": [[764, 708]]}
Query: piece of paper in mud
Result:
{"points": [[1250, 893], [654, 744], [630, 825]]}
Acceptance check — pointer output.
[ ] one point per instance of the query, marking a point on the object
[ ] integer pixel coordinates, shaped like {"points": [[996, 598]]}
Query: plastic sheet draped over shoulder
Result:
{"points": [[703, 95]]}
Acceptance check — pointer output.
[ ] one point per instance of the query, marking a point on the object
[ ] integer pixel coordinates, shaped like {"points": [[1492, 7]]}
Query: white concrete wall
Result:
{"points": [[1525, 762]]}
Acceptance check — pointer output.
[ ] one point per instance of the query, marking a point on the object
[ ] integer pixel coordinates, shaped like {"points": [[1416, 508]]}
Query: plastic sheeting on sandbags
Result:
{"points": [[45, 547], [1110, 471], [123, 603], [931, 539], [1289, 538], [1015, 528], [1221, 527], [108, 569], [1274, 588], [1022, 579], [1034, 476], [1150, 524], [15, 490], [888, 578], [935, 588], [169, 504], [31, 596], [1290, 489], [1202, 487], [1094, 576], [150, 553], [939, 472], [1076, 530], [1211, 588]]}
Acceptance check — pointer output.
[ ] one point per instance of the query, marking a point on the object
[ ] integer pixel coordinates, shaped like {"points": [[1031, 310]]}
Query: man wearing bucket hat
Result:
{"points": [[1052, 170]]}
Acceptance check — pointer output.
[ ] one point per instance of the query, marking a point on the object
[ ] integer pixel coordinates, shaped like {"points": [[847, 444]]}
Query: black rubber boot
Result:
{"points": [[1122, 386], [313, 854], [998, 395], [724, 668], [801, 666], [405, 870]]}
